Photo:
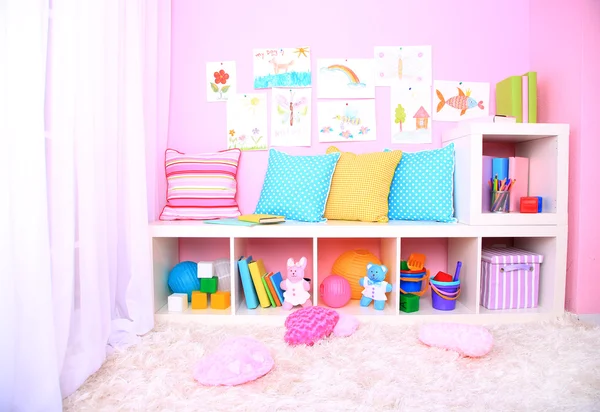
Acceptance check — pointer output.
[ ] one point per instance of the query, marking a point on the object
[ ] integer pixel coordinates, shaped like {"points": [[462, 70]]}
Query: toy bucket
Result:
{"points": [[412, 281], [444, 294]]}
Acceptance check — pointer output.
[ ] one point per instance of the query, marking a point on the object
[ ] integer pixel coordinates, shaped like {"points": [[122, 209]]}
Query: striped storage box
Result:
{"points": [[509, 278]]}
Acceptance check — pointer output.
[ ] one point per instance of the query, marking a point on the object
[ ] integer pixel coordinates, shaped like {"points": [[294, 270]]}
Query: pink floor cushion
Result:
{"points": [[468, 340], [238, 360], [309, 325], [346, 326]]}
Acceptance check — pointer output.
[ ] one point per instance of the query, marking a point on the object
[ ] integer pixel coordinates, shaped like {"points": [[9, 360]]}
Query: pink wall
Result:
{"points": [[564, 42], [473, 45], [472, 40]]}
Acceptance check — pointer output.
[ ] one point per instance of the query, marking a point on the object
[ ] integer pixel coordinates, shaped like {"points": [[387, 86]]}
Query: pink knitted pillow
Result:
{"points": [[238, 360], [468, 340], [308, 325]]}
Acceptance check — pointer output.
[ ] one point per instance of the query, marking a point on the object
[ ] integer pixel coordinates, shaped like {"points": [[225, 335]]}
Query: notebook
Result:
{"points": [[261, 218]]}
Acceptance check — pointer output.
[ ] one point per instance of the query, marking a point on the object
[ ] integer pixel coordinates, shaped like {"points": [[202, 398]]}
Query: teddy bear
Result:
{"points": [[375, 286], [295, 286]]}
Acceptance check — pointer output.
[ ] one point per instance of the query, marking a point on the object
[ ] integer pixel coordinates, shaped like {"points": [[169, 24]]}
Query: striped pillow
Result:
{"points": [[201, 186]]}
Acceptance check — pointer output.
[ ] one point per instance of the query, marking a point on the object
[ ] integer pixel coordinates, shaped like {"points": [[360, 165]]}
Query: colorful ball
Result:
{"points": [[183, 278], [335, 291]]}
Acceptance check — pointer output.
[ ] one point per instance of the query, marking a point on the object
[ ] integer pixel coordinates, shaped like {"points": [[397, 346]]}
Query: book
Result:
{"points": [[232, 221], [269, 295], [525, 98], [518, 168], [509, 97], [247, 284], [500, 168], [257, 270], [261, 219], [532, 96], [276, 279], [272, 289], [486, 177]]}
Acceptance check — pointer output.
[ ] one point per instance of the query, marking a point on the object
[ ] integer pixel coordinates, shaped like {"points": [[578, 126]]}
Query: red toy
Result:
{"points": [[529, 205]]}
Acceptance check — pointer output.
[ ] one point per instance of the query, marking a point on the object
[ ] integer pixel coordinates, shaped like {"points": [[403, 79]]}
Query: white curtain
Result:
{"points": [[78, 252]]}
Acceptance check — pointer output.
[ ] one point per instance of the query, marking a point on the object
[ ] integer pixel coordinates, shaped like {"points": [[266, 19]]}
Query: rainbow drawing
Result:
{"points": [[354, 81]]}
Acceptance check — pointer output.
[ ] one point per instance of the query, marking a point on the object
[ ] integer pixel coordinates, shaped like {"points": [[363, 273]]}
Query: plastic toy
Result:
{"points": [[205, 270], [209, 285], [177, 302], [375, 286], [295, 286], [220, 300], [335, 291], [199, 300]]}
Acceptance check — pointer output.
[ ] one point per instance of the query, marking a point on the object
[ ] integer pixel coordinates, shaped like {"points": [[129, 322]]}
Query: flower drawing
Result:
{"points": [[221, 77], [232, 132], [255, 130], [364, 130], [346, 134], [326, 129]]}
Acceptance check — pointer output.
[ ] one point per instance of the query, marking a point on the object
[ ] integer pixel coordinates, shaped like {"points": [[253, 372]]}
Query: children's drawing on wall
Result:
{"points": [[346, 79], [290, 117], [221, 80], [247, 121], [289, 67], [460, 100], [346, 121], [403, 64], [410, 114]]}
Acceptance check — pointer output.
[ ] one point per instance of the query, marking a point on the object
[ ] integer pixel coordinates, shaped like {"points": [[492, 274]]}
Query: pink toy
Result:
{"points": [[238, 360], [295, 286], [346, 326], [335, 291], [468, 340], [308, 325]]}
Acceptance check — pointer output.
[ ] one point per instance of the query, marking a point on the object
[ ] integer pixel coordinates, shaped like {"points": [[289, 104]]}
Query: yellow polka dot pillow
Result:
{"points": [[361, 185]]}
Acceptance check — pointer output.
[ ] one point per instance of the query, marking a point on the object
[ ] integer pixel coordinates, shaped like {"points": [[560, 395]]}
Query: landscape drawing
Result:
{"points": [[403, 64], [247, 121], [346, 121], [453, 101], [346, 79], [291, 117], [411, 114], [289, 67], [221, 81]]}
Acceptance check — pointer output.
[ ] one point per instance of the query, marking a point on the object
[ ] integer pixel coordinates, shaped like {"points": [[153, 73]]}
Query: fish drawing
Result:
{"points": [[462, 102]]}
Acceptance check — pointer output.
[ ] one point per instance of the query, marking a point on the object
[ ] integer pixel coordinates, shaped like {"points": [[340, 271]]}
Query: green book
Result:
{"points": [[264, 281], [509, 97], [532, 96]]}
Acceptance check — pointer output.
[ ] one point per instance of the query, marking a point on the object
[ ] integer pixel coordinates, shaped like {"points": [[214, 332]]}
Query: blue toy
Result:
{"points": [[375, 286], [183, 278]]}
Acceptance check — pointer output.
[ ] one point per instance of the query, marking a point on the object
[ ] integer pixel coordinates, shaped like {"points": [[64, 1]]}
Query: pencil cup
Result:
{"points": [[500, 202]]}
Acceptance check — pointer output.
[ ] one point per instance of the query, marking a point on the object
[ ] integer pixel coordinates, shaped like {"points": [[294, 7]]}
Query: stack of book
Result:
{"points": [[260, 287], [517, 96]]}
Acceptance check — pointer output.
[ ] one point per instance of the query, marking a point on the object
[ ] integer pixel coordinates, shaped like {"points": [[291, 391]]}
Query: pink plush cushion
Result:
{"points": [[308, 325], [468, 340], [346, 326], [238, 360], [201, 186]]}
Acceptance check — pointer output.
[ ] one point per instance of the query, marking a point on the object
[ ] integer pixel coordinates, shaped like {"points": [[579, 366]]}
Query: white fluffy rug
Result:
{"points": [[549, 366]]}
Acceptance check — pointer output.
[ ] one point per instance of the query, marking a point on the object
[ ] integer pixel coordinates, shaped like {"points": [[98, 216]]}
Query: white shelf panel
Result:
{"points": [[164, 310], [349, 229], [506, 132], [353, 308]]}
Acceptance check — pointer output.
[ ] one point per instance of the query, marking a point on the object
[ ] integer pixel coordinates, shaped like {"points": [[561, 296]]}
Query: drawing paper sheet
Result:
{"points": [[453, 100], [221, 80], [346, 79], [291, 117], [282, 67], [247, 121], [403, 64], [411, 114], [346, 120]]}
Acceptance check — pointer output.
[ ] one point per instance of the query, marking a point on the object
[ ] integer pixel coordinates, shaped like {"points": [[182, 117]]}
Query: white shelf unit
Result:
{"points": [[546, 145]]}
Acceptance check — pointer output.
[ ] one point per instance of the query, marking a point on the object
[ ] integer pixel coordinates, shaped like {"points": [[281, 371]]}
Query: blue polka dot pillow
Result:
{"points": [[297, 187], [423, 186]]}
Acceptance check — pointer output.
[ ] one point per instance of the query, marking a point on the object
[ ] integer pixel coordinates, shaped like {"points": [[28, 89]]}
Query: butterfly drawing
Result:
{"points": [[291, 110]]}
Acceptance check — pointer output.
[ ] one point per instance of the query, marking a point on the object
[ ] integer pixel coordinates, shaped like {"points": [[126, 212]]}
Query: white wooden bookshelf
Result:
{"points": [[546, 233]]}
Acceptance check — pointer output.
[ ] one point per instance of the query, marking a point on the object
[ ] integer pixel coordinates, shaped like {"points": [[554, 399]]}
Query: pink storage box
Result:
{"points": [[510, 278]]}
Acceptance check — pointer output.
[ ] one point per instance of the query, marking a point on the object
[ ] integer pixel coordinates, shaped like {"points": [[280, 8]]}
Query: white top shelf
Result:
{"points": [[506, 132], [342, 229]]}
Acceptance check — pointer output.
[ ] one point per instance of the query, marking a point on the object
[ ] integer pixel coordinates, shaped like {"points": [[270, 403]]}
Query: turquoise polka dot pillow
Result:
{"points": [[297, 187], [423, 186]]}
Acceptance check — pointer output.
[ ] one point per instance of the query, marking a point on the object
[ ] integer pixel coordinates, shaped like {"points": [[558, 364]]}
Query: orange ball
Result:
{"points": [[352, 266]]}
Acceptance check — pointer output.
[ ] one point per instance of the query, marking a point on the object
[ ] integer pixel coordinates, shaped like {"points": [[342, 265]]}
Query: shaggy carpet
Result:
{"points": [[545, 366]]}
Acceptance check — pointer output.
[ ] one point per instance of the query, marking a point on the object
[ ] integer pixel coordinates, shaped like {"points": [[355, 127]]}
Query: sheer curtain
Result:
{"points": [[78, 250]]}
